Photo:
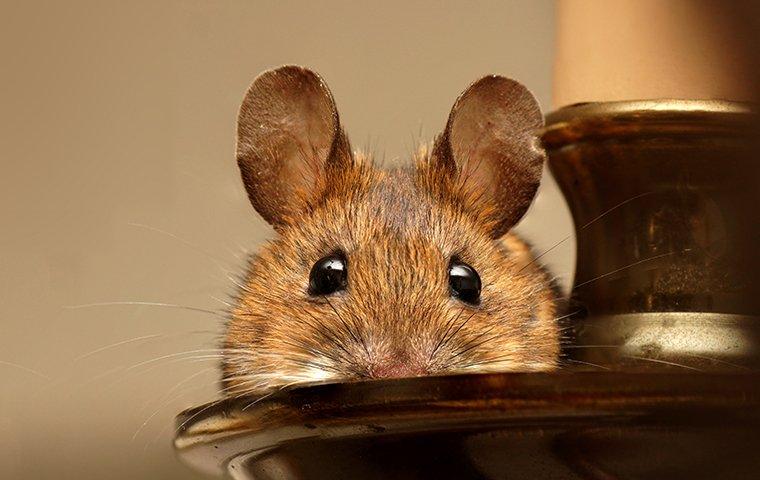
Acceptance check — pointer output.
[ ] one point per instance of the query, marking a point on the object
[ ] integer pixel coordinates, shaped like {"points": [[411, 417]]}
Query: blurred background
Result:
{"points": [[119, 188]]}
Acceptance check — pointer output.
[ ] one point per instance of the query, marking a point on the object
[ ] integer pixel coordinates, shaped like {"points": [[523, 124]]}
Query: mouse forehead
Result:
{"points": [[398, 206], [395, 204], [386, 214], [399, 215]]}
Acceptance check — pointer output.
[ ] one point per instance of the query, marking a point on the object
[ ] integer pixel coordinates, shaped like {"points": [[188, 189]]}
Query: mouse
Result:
{"points": [[379, 273]]}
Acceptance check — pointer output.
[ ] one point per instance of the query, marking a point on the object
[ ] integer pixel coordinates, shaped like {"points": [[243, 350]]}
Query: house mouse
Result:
{"points": [[388, 273]]}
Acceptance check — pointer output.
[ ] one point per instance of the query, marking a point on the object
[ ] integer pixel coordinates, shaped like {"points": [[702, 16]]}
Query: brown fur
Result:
{"points": [[398, 230]]}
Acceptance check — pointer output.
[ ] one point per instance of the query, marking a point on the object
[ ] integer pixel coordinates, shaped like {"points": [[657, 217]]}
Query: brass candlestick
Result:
{"points": [[665, 198]]}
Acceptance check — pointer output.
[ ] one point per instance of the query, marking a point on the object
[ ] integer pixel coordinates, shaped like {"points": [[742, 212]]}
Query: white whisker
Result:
{"points": [[142, 304]]}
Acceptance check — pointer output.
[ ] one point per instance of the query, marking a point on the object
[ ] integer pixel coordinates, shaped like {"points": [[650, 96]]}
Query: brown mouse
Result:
{"points": [[388, 273]]}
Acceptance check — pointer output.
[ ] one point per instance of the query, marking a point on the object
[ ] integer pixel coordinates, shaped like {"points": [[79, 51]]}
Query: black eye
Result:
{"points": [[464, 282], [328, 275]]}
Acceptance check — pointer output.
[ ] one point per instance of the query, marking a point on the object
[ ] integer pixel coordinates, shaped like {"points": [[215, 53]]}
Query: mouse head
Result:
{"points": [[387, 273]]}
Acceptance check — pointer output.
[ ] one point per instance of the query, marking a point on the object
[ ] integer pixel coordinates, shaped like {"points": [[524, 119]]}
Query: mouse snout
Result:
{"points": [[397, 366]]}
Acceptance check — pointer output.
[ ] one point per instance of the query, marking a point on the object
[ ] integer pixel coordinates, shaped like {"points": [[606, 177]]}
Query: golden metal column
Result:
{"points": [[665, 196]]}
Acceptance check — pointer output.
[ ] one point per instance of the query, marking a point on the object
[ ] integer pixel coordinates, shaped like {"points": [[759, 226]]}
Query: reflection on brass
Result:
{"points": [[585, 425], [665, 198]]}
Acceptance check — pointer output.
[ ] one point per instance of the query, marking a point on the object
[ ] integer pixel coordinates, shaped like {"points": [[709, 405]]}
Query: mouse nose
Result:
{"points": [[397, 368]]}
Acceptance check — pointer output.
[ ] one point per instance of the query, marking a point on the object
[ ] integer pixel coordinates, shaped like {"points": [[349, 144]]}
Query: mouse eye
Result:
{"points": [[464, 282], [328, 275]]}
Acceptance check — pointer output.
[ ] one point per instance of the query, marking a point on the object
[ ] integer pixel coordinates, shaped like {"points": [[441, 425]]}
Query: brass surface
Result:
{"points": [[664, 195], [585, 425]]}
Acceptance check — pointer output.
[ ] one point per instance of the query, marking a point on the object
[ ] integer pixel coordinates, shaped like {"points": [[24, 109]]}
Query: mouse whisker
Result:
{"points": [[448, 326], [587, 363], [634, 264], [187, 355], [665, 362], [717, 360], [328, 334], [216, 260], [590, 346], [143, 304], [458, 329], [168, 398], [314, 352], [141, 339], [356, 336], [177, 388], [26, 369], [489, 361], [591, 222], [473, 344], [267, 395], [315, 364]]}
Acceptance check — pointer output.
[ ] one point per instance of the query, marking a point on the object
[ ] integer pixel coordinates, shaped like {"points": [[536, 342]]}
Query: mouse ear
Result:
{"points": [[288, 139], [490, 151]]}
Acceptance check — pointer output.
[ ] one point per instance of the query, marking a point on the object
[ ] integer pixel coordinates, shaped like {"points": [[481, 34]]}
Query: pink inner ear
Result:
{"points": [[302, 128], [478, 142], [305, 143]]}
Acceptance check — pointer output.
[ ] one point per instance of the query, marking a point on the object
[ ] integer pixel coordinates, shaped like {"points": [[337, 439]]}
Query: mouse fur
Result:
{"points": [[398, 229]]}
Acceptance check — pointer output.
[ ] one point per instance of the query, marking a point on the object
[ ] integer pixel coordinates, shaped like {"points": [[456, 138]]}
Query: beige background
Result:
{"points": [[118, 184]]}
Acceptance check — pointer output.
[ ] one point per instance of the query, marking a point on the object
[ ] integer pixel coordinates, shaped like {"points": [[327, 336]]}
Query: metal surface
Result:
{"points": [[527, 426], [665, 198]]}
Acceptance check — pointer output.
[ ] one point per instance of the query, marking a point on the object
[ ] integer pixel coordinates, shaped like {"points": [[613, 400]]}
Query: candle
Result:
{"points": [[647, 49]]}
